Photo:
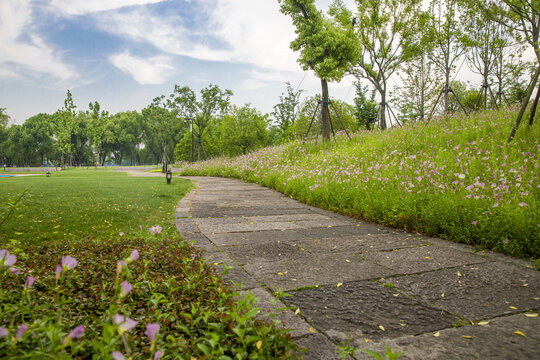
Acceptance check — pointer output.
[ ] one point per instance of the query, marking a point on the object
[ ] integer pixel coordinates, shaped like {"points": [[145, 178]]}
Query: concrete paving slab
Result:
{"points": [[366, 310], [244, 227], [318, 347], [265, 252], [496, 340], [348, 230], [287, 319], [361, 243], [476, 292], [423, 258], [242, 238], [319, 270]]}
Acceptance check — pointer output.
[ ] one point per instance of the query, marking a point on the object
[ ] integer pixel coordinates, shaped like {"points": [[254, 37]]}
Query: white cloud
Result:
{"points": [[82, 7], [33, 53], [149, 71]]}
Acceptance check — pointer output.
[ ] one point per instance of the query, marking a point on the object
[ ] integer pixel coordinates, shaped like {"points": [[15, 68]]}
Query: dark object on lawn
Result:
{"points": [[168, 175], [48, 174]]}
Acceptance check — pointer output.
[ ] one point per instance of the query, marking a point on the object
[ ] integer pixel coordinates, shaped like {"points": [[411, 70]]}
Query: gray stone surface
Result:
{"points": [[496, 340], [355, 280], [423, 258], [476, 292], [367, 310]]}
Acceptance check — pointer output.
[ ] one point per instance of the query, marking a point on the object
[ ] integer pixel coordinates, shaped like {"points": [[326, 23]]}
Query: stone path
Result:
{"points": [[354, 280]]}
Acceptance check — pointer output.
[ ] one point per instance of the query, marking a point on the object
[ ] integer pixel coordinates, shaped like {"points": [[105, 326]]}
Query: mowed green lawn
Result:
{"points": [[75, 204]]}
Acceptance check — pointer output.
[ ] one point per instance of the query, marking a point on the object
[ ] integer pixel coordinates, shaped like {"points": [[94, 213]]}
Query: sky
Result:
{"points": [[124, 53]]}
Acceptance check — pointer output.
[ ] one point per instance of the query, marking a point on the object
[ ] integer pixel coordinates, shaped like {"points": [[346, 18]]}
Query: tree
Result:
{"points": [[4, 120], [388, 33], [286, 111], [522, 17], [64, 128], [97, 124], [128, 134], [242, 130], [201, 114], [326, 44], [366, 109], [446, 39], [37, 135], [484, 38], [301, 125], [418, 88]]}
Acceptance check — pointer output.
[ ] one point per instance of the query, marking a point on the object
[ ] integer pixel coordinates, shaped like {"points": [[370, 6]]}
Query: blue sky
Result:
{"points": [[123, 53]]}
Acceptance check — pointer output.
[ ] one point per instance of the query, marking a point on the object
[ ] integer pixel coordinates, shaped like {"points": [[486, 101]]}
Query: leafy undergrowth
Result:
{"points": [[454, 177], [86, 294]]}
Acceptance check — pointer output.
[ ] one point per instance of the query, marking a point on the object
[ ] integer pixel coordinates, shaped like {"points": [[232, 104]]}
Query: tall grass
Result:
{"points": [[454, 177]]}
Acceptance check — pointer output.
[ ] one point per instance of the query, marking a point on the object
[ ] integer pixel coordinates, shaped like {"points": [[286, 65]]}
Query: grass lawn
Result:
{"points": [[81, 279], [74, 204]]}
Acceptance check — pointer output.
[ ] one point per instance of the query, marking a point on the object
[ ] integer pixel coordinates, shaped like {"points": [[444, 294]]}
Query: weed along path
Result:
{"points": [[355, 283]]}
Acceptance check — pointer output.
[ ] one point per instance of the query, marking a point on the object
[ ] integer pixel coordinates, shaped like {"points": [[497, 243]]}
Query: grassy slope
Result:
{"points": [[75, 204], [458, 179]]}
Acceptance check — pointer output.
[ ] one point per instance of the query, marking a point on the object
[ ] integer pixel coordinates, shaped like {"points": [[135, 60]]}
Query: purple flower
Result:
{"points": [[194, 256], [124, 323], [522, 204], [496, 204], [151, 332], [126, 288], [29, 282], [158, 355], [156, 229], [505, 241], [75, 334], [474, 222], [3, 332], [14, 270], [121, 233], [140, 227], [117, 355], [21, 331], [6, 259], [133, 257], [68, 263]]}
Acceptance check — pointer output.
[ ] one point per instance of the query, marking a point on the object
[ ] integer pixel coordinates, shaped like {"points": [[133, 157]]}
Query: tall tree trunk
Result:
{"points": [[533, 109], [446, 91], [383, 110], [325, 118], [524, 104]]}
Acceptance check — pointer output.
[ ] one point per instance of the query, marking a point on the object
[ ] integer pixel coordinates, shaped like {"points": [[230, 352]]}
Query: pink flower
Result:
{"points": [[68, 263], [6, 259], [474, 222], [3, 332], [133, 257], [29, 282], [21, 331], [156, 229], [75, 334], [158, 355], [496, 204], [126, 288], [522, 204], [151, 332], [124, 322], [117, 355], [121, 233], [14, 270], [505, 241]]}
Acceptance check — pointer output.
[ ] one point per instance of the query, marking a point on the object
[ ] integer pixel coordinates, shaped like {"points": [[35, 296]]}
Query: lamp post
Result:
{"points": [[192, 139], [168, 175]]}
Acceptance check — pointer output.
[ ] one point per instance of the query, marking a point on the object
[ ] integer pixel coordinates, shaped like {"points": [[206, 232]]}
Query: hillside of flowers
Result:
{"points": [[455, 177]]}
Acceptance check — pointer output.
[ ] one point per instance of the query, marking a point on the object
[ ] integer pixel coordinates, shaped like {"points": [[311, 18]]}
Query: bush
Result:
{"points": [[79, 299]]}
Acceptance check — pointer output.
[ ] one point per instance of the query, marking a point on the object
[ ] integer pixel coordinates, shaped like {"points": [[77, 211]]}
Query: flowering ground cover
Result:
{"points": [[454, 177], [111, 287]]}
